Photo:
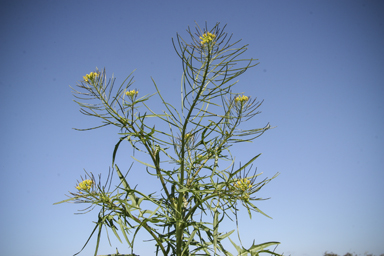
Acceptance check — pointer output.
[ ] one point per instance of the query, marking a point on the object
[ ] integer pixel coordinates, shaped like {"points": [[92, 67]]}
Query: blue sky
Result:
{"points": [[321, 75]]}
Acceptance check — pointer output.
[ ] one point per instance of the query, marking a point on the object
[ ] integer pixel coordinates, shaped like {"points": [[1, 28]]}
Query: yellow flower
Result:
{"points": [[243, 187], [85, 185], [105, 198], [90, 77], [207, 38], [241, 99], [245, 197], [187, 136], [131, 93], [243, 184]]}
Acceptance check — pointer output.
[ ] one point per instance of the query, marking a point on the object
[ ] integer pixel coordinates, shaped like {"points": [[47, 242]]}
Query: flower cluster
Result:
{"points": [[241, 99], [207, 38], [131, 93], [90, 77], [243, 184], [187, 136], [85, 185]]}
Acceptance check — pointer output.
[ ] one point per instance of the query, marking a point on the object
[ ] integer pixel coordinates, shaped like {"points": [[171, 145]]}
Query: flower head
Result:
{"points": [[243, 184], [131, 93], [243, 188], [207, 38], [90, 77], [241, 99], [187, 136], [85, 185], [245, 197]]}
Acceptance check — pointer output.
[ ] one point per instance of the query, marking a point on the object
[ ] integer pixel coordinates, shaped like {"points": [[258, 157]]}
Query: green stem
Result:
{"points": [[144, 225], [179, 213]]}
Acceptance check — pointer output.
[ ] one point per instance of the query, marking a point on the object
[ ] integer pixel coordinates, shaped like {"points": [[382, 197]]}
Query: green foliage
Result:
{"points": [[330, 254], [203, 188]]}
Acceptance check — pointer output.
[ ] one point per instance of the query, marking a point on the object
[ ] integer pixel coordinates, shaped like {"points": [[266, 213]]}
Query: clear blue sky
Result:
{"points": [[321, 75]]}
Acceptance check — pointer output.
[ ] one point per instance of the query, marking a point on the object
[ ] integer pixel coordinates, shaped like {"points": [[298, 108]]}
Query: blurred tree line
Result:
{"points": [[348, 254]]}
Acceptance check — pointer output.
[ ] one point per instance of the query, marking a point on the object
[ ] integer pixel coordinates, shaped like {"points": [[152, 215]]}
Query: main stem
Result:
{"points": [[180, 225]]}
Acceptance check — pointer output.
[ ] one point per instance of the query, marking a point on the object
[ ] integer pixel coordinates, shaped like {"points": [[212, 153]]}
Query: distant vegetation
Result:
{"points": [[348, 254]]}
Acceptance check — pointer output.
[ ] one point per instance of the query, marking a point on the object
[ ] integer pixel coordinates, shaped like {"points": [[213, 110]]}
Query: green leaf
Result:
{"points": [[123, 227], [117, 235], [98, 237], [226, 234], [144, 163], [189, 240], [89, 238], [257, 209], [215, 229], [66, 200], [122, 178], [259, 247], [244, 166], [116, 148], [238, 248]]}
